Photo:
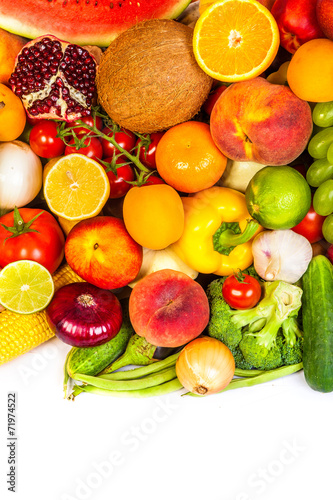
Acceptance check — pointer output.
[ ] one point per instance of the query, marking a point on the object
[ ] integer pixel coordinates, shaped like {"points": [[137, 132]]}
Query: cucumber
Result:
{"points": [[92, 360], [318, 324]]}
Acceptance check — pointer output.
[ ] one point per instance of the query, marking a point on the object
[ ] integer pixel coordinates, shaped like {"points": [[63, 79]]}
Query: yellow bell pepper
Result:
{"points": [[218, 232]]}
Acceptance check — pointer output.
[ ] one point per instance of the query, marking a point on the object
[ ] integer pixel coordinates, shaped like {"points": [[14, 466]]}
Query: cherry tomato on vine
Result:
{"points": [[311, 226], [93, 148], [118, 183], [148, 157], [43, 139], [125, 138], [153, 179], [89, 120], [241, 292]]}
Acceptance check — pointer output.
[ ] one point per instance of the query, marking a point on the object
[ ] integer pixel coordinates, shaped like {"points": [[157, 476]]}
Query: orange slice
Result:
{"points": [[235, 40], [75, 186]]}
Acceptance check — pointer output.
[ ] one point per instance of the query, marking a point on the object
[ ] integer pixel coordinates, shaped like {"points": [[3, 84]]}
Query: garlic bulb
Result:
{"points": [[281, 255]]}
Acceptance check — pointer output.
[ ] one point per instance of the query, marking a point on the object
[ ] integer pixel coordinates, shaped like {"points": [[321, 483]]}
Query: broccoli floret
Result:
{"points": [[240, 360], [220, 325], [292, 354], [258, 355], [264, 337]]}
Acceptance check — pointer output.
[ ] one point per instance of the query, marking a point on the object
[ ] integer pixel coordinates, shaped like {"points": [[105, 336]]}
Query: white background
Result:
{"points": [[269, 442]]}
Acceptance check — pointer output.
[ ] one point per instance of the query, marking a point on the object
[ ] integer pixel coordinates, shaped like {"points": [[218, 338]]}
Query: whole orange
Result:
{"points": [[12, 115], [187, 158], [10, 46], [310, 72]]}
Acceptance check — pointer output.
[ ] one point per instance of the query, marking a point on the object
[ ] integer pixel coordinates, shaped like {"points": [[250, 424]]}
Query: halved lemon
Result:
{"points": [[26, 287], [235, 40], [75, 186]]}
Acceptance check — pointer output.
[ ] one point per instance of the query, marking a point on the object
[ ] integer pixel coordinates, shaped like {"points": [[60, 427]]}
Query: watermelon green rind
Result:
{"points": [[84, 22]]}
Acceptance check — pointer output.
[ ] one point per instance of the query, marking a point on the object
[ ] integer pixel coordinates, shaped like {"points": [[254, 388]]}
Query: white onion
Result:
{"points": [[21, 174], [281, 255]]}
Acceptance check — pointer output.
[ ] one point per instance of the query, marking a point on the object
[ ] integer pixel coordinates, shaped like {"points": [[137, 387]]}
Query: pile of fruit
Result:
{"points": [[166, 197]]}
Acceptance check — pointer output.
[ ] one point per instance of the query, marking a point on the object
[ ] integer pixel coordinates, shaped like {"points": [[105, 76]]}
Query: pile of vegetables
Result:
{"points": [[264, 287]]}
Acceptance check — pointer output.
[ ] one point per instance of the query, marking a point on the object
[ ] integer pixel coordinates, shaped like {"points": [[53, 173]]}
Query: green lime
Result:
{"points": [[25, 287], [278, 197]]}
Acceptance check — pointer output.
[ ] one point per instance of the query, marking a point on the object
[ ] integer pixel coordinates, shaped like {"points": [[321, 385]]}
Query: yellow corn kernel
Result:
{"points": [[19, 332]]}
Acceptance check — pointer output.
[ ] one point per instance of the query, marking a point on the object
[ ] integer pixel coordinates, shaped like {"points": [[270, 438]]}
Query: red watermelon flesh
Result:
{"points": [[84, 22]]}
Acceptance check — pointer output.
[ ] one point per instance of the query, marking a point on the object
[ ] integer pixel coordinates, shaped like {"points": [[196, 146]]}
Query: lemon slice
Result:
{"points": [[75, 186], [26, 287]]}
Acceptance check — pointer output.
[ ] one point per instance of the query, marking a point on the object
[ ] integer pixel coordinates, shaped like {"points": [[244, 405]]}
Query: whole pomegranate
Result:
{"points": [[54, 79]]}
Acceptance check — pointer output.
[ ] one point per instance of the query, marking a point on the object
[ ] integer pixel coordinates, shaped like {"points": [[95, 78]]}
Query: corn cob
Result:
{"points": [[19, 333]]}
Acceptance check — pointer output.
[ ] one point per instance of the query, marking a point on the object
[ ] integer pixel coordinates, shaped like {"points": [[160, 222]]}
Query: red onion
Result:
{"points": [[83, 315]]}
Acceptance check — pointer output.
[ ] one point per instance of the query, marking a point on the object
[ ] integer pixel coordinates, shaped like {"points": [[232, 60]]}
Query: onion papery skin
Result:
{"points": [[205, 366], [83, 315]]}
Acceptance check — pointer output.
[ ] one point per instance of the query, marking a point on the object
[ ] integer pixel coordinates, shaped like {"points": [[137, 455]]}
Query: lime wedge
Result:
{"points": [[26, 287]]}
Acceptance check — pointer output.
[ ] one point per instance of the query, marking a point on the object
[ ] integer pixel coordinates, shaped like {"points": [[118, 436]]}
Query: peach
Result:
{"points": [[262, 122], [10, 46], [168, 308]]}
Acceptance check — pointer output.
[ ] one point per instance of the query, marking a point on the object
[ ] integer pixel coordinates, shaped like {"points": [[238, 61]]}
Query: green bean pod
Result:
{"points": [[129, 385], [264, 376], [155, 391], [142, 371]]}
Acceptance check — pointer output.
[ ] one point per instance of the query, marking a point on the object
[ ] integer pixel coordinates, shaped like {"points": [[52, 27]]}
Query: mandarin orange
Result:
{"points": [[187, 158]]}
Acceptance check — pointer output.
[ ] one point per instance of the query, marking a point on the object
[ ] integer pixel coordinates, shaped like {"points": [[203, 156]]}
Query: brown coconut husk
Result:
{"points": [[148, 79]]}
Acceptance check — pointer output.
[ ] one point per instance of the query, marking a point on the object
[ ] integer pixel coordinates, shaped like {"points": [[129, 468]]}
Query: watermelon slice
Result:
{"points": [[84, 22]]}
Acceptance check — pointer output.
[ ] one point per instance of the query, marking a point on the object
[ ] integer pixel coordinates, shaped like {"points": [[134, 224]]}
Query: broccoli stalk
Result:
{"points": [[278, 308]]}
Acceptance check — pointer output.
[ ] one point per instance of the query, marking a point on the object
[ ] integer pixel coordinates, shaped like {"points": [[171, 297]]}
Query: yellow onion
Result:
{"points": [[205, 366]]}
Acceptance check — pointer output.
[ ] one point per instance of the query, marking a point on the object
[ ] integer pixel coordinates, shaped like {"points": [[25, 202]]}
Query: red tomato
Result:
{"points": [[124, 138], [45, 244], [89, 120], [43, 140], [241, 293], [93, 148], [212, 98], [311, 226], [148, 158], [118, 183]]}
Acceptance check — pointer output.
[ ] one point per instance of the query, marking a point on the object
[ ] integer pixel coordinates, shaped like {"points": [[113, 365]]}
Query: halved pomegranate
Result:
{"points": [[54, 79]]}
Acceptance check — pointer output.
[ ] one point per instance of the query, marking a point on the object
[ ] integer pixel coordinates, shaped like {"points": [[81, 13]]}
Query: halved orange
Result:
{"points": [[235, 40]]}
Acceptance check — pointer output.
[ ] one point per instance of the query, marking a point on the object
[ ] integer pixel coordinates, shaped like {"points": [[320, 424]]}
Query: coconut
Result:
{"points": [[148, 79]]}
